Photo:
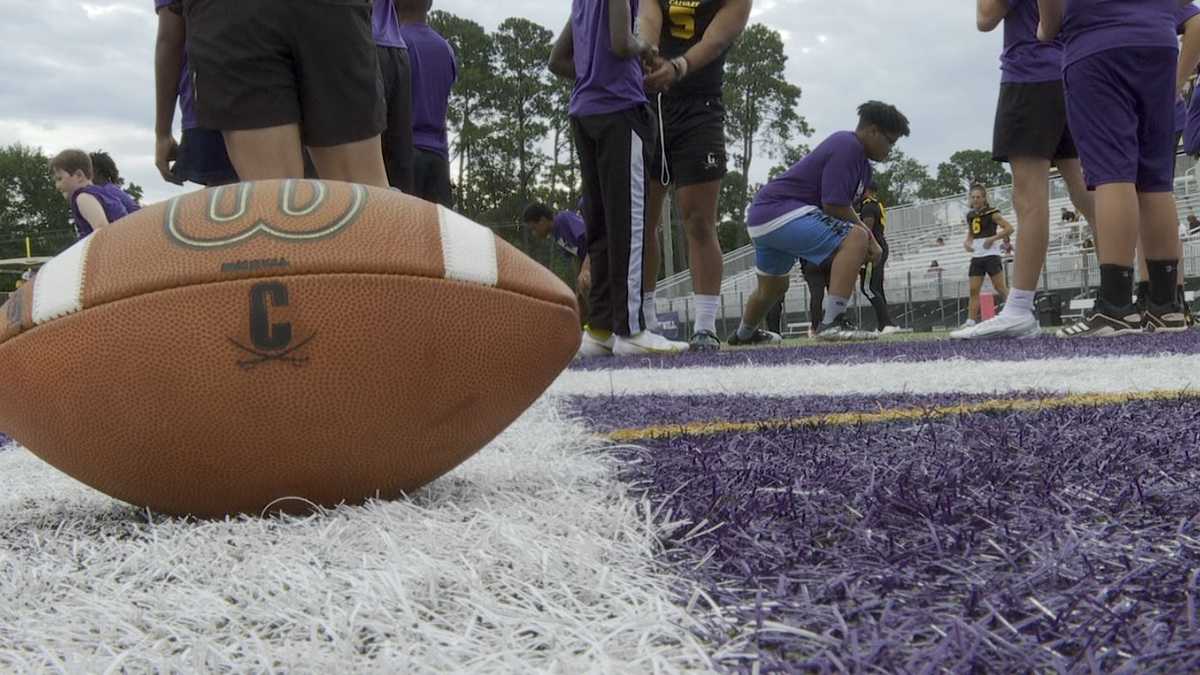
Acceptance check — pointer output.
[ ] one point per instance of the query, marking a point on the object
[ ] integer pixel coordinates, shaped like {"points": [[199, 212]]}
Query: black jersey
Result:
{"points": [[983, 222], [873, 208], [684, 23]]}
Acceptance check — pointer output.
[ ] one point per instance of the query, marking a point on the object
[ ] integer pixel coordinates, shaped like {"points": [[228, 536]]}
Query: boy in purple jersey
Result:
{"points": [[92, 207], [278, 77], [434, 72], [570, 234], [807, 214], [395, 69], [200, 157], [106, 177], [614, 137], [1032, 134], [1119, 67]]}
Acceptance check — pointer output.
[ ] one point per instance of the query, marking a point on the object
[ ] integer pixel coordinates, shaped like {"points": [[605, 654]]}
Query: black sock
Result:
{"points": [[1143, 291], [1116, 285], [1162, 281]]}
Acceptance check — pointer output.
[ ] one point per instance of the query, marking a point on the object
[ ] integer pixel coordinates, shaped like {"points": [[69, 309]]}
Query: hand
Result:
{"points": [[647, 52], [166, 150], [990, 242], [583, 285], [967, 247], [660, 76], [874, 252]]}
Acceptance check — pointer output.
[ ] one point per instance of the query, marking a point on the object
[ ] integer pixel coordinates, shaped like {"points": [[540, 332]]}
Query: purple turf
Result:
{"points": [[633, 412], [928, 350], [1061, 540]]}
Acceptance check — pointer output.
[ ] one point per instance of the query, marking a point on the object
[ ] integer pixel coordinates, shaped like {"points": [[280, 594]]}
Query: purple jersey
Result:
{"points": [[836, 173], [385, 26], [1026, 59], [604, 83], [434, 72], [113, 190], [113, 208], [1093, 26], [1182, 16], [187, 108], [570, 233]]}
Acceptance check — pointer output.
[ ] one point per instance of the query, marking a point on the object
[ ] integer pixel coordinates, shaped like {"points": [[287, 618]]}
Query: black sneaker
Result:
{"points": [[704, 341], [1165, 319], [1105, 321], [759, 337], [843, 330]]}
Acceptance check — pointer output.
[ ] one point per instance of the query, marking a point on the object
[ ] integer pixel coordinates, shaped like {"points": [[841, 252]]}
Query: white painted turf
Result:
{"points": [[528, 558]]}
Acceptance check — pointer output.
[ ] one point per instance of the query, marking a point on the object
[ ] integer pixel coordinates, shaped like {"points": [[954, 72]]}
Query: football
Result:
{"points": [[273, 345]]}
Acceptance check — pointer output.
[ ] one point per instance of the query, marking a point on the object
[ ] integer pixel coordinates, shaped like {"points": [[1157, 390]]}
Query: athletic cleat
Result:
{"points": [[969, 323], [645, 343], [1105, 321], [759, 337], [889, 330], [1010, 325], [1164, 319], [704, 341], [842, 330], [591, 346]]}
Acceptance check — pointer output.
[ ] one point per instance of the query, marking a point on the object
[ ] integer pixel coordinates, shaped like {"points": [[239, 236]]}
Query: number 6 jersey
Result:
{"points": [[684, 23]]}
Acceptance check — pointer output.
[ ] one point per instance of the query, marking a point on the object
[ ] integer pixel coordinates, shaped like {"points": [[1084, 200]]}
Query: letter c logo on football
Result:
{"points": [[265, 335]]}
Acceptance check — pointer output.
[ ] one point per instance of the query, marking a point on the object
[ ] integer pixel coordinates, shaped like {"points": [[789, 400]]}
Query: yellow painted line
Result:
{"points": [[898, 415]]}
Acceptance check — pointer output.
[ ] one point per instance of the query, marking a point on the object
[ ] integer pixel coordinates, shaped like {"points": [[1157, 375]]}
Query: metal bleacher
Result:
{"points": [[913, 231]]}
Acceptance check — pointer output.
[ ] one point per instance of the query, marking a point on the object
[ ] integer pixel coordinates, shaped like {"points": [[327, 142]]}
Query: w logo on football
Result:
{"points": [[305, 210]]}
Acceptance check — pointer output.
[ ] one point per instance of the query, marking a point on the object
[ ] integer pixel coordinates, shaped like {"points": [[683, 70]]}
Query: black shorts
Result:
{"points": [[987, 266], [1031, 121], [202, 158], [264, 63], [396, 71], [692, 138], [431, 178]]}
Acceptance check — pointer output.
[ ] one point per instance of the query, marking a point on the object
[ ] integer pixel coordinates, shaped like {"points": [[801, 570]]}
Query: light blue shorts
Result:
{"points": [[804, 234]]}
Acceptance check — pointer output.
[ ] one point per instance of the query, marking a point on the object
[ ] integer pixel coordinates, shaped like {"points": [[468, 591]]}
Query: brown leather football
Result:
{"points": [[263, 345]]}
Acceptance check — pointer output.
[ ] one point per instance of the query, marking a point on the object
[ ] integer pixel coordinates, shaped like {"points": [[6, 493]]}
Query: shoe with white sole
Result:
{"points": [[890, 330], [1105, 321], [591, 346], [1003, 325], [645, 343]]}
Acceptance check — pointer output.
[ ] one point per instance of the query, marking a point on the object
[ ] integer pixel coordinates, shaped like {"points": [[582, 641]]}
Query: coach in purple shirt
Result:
{"points": [[434, 72]]}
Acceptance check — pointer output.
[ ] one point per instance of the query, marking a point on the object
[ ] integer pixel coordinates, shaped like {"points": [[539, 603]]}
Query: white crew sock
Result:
{"points": [[1019, 302], [832, 308], [649, 310], [706, 312]]}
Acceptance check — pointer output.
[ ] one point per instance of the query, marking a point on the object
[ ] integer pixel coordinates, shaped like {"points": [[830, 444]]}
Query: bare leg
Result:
{"points": [[765, 295], [698, 206], [846, 263], [658, 195], [263, 154], [1031, 200], [1117, 208], [973, 304], [1000, 285], [357, 162]]}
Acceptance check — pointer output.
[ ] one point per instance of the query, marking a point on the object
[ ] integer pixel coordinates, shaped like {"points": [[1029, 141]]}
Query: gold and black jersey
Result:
{"points": [[873, 208], [983, 222], [684, 23]]}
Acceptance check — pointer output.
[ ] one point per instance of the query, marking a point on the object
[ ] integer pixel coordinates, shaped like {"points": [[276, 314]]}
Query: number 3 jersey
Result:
{"points": [[983, 226], [684, 23]]}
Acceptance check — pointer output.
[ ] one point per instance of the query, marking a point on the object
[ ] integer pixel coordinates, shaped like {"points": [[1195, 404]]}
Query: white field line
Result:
{"points": [[1075, 376]]}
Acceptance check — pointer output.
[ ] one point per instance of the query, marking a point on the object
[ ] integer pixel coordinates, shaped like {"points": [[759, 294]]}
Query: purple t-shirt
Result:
{"points": [[434, 72], [1182, 16], [127, 200], [385, 26], [1093, 26], [604, 83], [836, 173], [570, 233], [113, 208], [1025, 58], [187, 108]]}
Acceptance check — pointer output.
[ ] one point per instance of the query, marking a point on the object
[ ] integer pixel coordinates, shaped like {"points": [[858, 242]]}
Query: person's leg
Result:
{"points": [[1001, 286], [767, 293], [654, 210], [397, 139], [817, 282], [1031, 200], [876, 294], [263, 154], [698, 209], [599, 318], [356, 162], [973, 303]]}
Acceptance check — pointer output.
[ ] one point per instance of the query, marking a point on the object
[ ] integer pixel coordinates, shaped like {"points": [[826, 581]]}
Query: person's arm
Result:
{"points": [[729, 22], [1051, 14], [989, 14], [583, 276], [1006, 230], [847, 214], [968, 243], [624, 44], [562, 56], [91, 211], [168, 64], [650, 20], [1189, 53]]}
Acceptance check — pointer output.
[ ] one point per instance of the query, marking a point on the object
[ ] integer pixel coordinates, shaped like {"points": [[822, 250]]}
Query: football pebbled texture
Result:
{"points": [[264, 346]]}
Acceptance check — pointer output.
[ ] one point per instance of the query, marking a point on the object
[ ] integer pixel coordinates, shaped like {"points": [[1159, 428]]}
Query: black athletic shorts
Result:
{"points": [[986, 266], [693, 139], [431, 178], [266, 63], [396, 71], [202, 158], [1031, 121]]}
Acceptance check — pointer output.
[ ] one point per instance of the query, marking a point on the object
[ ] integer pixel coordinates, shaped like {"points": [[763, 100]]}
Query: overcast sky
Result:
{"points": [[81, 74]]}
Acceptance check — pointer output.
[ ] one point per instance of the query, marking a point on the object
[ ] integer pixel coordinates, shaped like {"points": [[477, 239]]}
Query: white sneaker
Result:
{"points": [[890, 330], [1003, 325], [969, 323], [646, 342], [590, 346]]}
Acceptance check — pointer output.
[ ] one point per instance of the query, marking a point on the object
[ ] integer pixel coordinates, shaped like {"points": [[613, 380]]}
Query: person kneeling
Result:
{"points": [[806, 214]]}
